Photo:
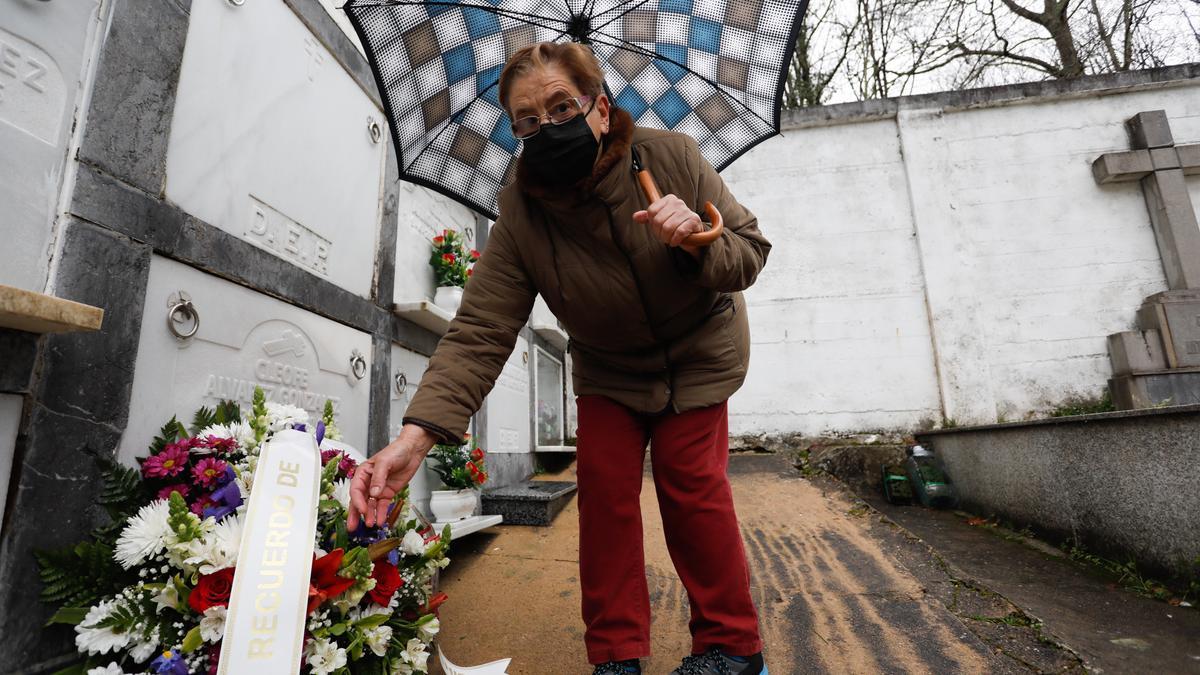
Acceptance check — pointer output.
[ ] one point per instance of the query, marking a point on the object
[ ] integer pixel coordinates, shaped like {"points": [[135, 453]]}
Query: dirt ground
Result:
{"points": [[832, 584]]}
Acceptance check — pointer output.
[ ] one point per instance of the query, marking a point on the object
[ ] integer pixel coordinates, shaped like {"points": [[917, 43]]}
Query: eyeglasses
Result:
{"points": [[560, 113]]}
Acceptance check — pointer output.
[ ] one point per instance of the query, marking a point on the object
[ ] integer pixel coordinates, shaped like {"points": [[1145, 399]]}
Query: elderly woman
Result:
{"points": [[660, 341]]}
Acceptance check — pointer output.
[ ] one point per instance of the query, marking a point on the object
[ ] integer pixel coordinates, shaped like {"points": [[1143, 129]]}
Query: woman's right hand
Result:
{"points": [[377, 480]]}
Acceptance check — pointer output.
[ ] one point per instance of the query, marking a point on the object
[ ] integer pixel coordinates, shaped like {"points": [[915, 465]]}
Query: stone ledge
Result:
{"points": [[1068, 420], [40, 313], [982, 97], [533, 502]]}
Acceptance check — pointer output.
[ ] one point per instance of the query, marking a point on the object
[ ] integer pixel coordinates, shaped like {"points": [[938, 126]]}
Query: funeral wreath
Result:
{"points": [[149, 592]]}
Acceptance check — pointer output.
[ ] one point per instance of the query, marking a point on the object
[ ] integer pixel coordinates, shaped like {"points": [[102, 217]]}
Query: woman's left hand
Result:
{"points": [[671, 221]]}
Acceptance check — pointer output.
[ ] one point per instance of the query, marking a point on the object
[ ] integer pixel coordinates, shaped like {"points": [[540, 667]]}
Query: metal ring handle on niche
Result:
{"points": [[186, 311], [236, 3], [374, 130], [358, 365], [401, 382]]}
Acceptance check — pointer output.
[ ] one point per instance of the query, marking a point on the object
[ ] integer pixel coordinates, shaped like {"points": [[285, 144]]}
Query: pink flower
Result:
{"points": [[181, 488], [170, 462], [208, 470], [200, 504]]}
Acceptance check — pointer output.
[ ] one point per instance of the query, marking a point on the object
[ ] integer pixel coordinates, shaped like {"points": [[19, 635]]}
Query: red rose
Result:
{"points": [[477, 454], [387, 582], [469, 272], [448, 257], [439, 240], [474, 254], [212, 590]]}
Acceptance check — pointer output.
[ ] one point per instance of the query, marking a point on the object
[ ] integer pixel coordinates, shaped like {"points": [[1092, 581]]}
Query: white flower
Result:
{"points": [[284, 416], [377, 639], [412, 543], [142, 651], [167, 598], [401, 668], [415, 654], [218, 549], [341, 492], [430, 628], [92, 639], [212, 625], [145, 534], [187, 554], [110, 669], [325, 656], [239, 431]]}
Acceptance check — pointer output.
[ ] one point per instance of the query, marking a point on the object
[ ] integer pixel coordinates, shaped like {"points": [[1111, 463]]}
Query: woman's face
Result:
{"points": [[537, 90]]}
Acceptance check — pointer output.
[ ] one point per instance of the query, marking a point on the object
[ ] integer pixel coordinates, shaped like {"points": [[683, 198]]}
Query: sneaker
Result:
{"points": [[626, 667], [716, 662]]}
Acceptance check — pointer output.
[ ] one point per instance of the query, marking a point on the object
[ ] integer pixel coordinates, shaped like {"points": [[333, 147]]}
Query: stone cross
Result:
{"points": [[1161, 165]]}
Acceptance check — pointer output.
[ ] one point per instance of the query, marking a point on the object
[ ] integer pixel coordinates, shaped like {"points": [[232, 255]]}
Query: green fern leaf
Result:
{"points": [[170, 432], [228, 412], [203, 418]]}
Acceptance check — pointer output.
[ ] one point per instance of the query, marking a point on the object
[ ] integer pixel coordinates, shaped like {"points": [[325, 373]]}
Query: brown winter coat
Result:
{"points": [[650, 327]]}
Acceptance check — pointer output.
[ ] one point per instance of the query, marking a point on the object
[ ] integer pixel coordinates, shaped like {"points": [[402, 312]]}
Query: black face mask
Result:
{"points": [[564, 153]]}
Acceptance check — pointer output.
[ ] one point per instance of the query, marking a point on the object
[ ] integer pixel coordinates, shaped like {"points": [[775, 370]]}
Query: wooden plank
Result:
{"points": [[40, 313]]}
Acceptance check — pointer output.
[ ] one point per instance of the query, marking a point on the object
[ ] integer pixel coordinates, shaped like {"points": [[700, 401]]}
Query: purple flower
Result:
{"points": [[300, 427], [226, 498], [171, 663], [320, 432]]}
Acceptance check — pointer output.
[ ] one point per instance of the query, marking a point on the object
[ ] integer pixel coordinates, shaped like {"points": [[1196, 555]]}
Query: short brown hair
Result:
{"points": [[579, 62]]}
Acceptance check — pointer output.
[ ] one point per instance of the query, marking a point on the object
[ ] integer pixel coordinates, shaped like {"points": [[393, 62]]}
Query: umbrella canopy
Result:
{"points": [[713, 69]]}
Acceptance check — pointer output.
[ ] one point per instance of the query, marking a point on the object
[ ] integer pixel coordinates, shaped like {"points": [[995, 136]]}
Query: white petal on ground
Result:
{"points": [[145, 534]]}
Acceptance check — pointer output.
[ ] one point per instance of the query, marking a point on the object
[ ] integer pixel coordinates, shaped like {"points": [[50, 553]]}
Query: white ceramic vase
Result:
{"points": [[448, 298], [449, 506]]}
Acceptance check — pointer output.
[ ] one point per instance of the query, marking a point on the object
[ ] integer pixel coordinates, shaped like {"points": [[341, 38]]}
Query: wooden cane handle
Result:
{"points": [[714, 216]]}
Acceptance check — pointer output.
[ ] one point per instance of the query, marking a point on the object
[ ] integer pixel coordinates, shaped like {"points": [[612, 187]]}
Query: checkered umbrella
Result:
{"points": [[713, 69]]}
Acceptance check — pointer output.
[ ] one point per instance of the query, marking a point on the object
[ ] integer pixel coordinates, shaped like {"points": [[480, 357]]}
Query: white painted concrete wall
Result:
{"points": [[935, 264]]}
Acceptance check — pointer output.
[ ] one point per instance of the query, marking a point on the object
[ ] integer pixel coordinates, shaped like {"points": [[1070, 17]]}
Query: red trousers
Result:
{"points": [[689, 455]]}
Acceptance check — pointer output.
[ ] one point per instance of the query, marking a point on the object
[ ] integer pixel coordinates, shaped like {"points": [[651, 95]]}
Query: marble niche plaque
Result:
{"points": [[243, 339], [274, 142], [508, 405], [407, 369], [10, 422], [44, 49]]}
